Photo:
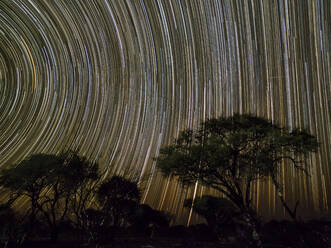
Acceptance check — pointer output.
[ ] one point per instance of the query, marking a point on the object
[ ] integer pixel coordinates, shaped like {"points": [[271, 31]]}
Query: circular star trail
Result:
{"points": [[118, 79]]}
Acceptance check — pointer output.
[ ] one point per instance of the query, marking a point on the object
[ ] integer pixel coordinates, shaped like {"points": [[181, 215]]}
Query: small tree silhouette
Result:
{"points": [[220, 213], [146, 220], [118, 198]]}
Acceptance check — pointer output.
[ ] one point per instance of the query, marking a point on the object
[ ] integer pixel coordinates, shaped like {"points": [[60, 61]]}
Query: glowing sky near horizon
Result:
{"points": [[118, 79]]}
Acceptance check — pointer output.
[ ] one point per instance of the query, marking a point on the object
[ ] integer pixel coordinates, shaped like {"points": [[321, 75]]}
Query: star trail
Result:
{"points": [[118, 79]]}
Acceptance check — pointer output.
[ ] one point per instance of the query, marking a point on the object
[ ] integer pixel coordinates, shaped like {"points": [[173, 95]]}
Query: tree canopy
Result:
{"points": [[65, 192], [230, 153], [52, 183], [118, 198]]}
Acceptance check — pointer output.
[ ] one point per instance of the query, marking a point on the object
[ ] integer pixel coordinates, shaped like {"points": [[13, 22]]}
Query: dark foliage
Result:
{"points": [[220, 213], [230, 153], [52, 184], [13, 228], [118, 198], [297, 234], [146, 220]]}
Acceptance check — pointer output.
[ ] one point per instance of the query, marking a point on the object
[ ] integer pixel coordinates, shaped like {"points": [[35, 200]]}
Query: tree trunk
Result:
{"points": [[252, 231], [292, 213]]}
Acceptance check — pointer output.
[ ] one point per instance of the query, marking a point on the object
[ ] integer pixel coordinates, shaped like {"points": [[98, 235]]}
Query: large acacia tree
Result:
{"points": [[230, 153]]}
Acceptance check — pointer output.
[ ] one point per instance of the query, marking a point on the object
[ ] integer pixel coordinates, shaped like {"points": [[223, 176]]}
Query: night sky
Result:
{"points": [[118, 79]]}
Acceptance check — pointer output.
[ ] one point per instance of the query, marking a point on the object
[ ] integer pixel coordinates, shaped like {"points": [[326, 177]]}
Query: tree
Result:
{"points": [[146, 220], [30, 179], [218, 212], [84, 177], [94, 226], [118, 198], [12, 229], [51, 183], [230, 153]]}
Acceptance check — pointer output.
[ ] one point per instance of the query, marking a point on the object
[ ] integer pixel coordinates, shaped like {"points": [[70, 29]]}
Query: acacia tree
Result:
{"points": [[29, 179], [230, 153], [84, 178], [50, 182], [118, 198]]}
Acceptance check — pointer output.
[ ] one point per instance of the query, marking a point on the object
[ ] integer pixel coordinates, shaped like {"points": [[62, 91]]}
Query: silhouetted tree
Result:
{"points": [[12, 228], [94, 225], [51, 183], [218, 212], [84, 178], [146, 220], [118, 198], [30, 178], [229, 154]]}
